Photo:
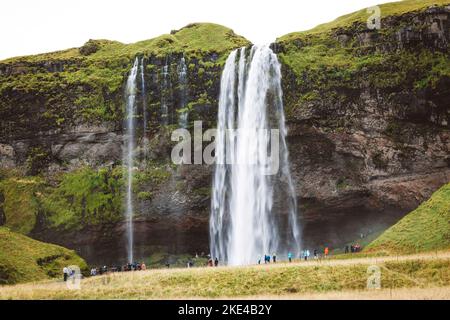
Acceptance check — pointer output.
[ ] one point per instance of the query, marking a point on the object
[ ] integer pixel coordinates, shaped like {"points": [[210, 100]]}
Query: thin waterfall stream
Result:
{"points": [[128, 157]]}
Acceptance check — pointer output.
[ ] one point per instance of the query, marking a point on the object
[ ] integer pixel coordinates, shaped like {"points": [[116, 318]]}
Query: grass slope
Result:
{"points": [[254, 281], [387, 9], [193, 38], [426, 228], [23, 259]]}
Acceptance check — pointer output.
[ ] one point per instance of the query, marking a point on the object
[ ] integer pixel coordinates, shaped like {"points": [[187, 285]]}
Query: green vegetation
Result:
{"points": [[91, 77], [23, 259], [161, 259], [80, 198], [426, 228], [76, 199], [329, 67], [84, 197], [20, 205], [274, 280], [361, 16], [154, 173]]}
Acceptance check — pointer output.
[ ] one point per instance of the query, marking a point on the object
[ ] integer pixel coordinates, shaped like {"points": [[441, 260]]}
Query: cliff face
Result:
{"points": [[367, 114], [369, 120], [62, 141]]}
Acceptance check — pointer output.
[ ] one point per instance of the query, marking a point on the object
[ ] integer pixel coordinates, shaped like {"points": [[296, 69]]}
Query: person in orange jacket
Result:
{"points": [[326, 252]]}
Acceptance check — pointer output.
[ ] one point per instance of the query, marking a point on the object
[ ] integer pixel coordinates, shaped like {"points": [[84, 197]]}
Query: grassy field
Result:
{"points": [[23, 259], [321, 279], [424, 229]]}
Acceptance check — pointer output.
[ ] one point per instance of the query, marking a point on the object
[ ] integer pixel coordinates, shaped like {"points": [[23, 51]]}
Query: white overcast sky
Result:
{"points": [[36, 26]]}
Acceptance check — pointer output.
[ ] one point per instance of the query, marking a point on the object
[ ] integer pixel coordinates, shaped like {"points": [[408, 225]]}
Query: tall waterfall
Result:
{"points": [[182, 79], [128, 157], [253, 211]]}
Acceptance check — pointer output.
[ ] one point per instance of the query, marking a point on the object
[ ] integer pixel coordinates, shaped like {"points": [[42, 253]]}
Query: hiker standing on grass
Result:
{"points": [[307, 254], [274, 257], [216, 262], [290, 256], [65, 273], [326, 252]]}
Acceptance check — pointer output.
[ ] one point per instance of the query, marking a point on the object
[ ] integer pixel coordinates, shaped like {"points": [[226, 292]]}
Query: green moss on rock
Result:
{"points": [[84, 197], [85, 84], [20, 206]]}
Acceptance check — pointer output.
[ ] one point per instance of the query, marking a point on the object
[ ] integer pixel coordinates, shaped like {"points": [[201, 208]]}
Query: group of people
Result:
{"points": [[213, 263], [67, 272], [136, 266], [353, 248], [304, 255], [267, 258]]}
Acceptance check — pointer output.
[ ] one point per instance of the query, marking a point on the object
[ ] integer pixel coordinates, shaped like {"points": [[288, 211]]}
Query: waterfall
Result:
{"points": [[144, 107], [128, 158], [182, 80], [244, 223], [164, 88]]}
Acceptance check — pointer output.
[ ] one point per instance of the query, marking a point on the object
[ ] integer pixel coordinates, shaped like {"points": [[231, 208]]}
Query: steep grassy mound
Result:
{"points": [[426, 228], [23, 259]]}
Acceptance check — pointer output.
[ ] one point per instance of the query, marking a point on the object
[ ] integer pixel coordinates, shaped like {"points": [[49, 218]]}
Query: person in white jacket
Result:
{"points": [[66, 273]]}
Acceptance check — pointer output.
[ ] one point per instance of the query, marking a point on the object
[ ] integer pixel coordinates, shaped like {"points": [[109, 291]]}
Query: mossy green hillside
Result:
{"points": [[84, 84], [327, 67], [84, 197], [20, 206], [361, 16], [77, 199], [23, 259], [425, 229]]}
